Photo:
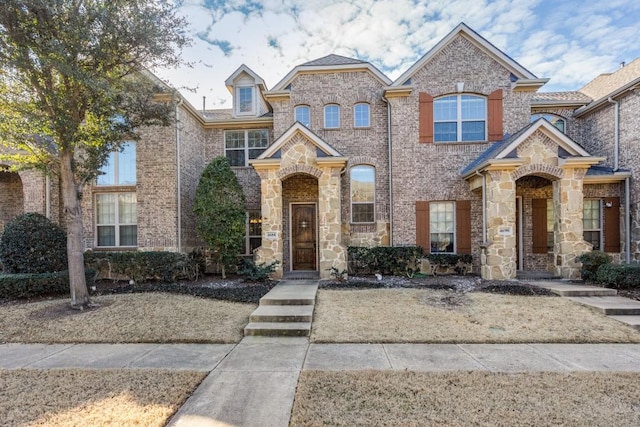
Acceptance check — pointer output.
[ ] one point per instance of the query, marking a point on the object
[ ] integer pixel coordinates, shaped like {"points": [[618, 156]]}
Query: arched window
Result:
{"points": [[332, 116], [460, 118], [363, 190], [557, 121], [303, 114], [361, 115]]}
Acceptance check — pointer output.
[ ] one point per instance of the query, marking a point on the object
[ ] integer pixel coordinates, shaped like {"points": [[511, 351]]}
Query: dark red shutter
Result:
{"points": [[422, 226], [495, 115], [612, 224], [539, 225], [426, 117], [463, 226]]}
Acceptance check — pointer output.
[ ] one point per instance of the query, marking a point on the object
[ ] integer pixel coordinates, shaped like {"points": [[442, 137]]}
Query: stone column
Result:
{"points": [[332, 252], [499, 261], [272, 237], [568, 232]]}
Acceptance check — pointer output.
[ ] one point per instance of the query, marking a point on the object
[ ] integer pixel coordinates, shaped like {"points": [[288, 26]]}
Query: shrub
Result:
{"points": [[31, 285], [142, 266], [591, 262], [459, 263], [257, 273], [396, 260], [619, 275], [31, 243]]}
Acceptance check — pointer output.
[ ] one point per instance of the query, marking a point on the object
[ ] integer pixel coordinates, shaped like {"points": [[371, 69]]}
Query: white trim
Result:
{"points": [[246, 147], [229, 82], [355, 125], [237, 100], [459, 120], [295, 113], [455, 225], [600, 220], [520, 237], [285, 137], [324, 116], [317, 232], [116, 224], [351, 221]]}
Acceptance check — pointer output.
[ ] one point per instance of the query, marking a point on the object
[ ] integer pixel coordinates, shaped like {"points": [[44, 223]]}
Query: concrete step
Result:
{"points": [[633, 321], [574, 290], [294, 292], [290, 329], [612, 305], [282, 313]]}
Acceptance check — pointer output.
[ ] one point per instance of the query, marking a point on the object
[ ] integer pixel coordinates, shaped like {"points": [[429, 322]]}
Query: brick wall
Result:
{"points": [[11, 196]]}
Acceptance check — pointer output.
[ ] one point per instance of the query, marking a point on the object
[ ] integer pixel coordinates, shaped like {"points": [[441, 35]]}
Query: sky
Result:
{"points": [[568, 41]]}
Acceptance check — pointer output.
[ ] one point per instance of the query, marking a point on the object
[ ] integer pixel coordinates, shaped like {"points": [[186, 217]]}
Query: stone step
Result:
{"points": [[633, 321], [291, 329], [282, 313], [612, 305], [574, 290]]}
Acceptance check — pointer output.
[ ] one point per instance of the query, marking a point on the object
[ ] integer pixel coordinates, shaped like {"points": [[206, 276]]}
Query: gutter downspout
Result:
{"points": [[627, 220], [47, 195], [178, 176], [484, 207], [390, 155], [616, 134]]}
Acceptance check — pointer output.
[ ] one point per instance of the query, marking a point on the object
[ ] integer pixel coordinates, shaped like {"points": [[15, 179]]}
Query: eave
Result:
{"points": [[528, 85]]}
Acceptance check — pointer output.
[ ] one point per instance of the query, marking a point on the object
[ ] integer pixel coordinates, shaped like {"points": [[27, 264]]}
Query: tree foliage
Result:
{"points": [[220, 212], [74, 85]]}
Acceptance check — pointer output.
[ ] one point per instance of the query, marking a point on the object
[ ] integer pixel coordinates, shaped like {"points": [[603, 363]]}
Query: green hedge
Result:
{"points": [[619, 276], [396, 260], [166, 267], [31, 285], [591, 263]]}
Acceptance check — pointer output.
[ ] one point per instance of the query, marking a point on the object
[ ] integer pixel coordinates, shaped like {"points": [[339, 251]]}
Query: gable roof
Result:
{"points": [[320, 144], [523, 76], [568, 98], [333, 59], [244, 69], [606, 83]]}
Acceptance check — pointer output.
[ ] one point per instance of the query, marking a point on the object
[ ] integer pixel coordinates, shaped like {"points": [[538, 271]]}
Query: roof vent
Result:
{"points": [[622, 64]]}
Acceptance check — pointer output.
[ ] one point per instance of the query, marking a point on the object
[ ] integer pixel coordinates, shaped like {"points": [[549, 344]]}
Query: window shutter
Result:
{"points": [[463, 226], [426, 117], [539, 225], [612, 225], [422, 226], [495, 115]]}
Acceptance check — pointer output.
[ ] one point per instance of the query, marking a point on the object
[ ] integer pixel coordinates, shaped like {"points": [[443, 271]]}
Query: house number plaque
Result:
{"points": [[505, 231], [271, 235]]}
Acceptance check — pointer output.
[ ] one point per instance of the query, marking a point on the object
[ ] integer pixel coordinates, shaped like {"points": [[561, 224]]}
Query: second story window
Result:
{"points": [[361, 116], [303, 115], [460, 118], [557, 121], [245, 100], [242, 145], [120, 168], [332, 116]]}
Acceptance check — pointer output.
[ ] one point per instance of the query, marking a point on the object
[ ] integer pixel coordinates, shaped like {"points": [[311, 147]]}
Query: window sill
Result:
{"points": [[460, 142], [113, 188], [114, 248]]}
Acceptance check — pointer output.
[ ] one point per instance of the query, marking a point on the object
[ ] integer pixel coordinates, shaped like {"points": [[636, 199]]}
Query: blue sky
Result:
{"points": [[568, 41]]}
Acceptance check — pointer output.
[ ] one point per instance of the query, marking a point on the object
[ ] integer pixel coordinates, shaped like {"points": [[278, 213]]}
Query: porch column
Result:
{"points": [[568, 232], [499, 260], [332, 252], [272, 239]]}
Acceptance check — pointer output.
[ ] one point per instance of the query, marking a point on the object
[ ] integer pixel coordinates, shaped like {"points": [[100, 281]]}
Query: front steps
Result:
{"points": [[287, 310]]}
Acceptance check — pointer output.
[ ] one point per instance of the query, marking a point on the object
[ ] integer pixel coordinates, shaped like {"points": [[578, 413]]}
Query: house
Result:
{"points": [[460, 154]]}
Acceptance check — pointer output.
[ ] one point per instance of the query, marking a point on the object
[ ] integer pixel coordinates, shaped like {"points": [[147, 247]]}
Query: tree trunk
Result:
{"points": [[73, 214]]}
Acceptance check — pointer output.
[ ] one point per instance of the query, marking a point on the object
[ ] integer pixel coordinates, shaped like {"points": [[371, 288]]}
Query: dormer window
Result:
{"points": [[245, 100]]}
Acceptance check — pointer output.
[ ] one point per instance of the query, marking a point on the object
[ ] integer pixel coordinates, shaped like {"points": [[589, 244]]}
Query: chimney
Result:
{"points": [[622, 64]]}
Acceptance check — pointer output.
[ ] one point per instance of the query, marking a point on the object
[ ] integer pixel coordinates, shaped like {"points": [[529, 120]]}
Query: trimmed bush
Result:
{"points": [[28, 285], [591, 262], [620, 276], [389, 260], [166, 267], [253, 272], [459, 264], [31, 243]]}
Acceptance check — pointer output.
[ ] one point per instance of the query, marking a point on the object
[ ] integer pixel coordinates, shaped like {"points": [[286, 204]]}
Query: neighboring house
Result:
{"points": [[460, 154]]}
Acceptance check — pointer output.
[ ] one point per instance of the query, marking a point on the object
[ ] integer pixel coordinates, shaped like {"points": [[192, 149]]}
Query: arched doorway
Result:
{"points": [[12, 196]]}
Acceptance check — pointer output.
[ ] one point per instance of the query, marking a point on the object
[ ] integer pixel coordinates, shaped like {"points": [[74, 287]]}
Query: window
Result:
{"points": [[242, 145], [254, 232], [361, 116], [363, 184], [460, 118], [245, 100], [550, 224], [303, 115], [116, 219], [557, 121], [332, 116], [441, 227], [591, 223], [120, 168]]}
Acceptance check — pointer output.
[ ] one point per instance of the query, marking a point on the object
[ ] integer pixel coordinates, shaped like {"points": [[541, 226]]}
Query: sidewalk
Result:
{"points": [[253, 383]]}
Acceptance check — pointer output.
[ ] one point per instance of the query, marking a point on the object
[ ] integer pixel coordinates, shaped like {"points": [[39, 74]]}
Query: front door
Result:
{"points": [[303, 237]]}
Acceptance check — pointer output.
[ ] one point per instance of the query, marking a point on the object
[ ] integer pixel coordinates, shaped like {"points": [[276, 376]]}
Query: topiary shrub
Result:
{"points": [[31, 243], [165, 267], [591, 262]]}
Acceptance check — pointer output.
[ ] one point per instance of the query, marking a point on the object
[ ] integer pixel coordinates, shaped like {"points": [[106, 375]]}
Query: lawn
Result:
{"points": [[446, 316], [126, 318], [97, 398]]}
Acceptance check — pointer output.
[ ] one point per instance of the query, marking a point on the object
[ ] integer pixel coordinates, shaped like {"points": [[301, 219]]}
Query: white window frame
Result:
{"points": [[356, 115], [373, 202], [459, 120], [116, 223], [551, 118], [246, 149], [248, 235], [453, 232], [326, 123], [600, 218], [300, 108], [114, 157], [239, 111]]}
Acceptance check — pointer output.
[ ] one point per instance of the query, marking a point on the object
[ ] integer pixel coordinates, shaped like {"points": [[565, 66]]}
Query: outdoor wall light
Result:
{"points": [[608, 204]]}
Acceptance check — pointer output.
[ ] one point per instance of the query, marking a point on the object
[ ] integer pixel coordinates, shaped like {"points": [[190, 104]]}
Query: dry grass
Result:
{"points": [[435, 316], [127, 318], [367, 398], [66, 397]]}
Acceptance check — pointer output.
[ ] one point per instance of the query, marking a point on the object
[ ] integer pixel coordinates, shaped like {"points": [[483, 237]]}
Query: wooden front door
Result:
{"points": [[303, 237]]}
